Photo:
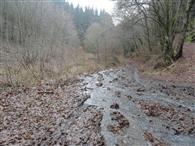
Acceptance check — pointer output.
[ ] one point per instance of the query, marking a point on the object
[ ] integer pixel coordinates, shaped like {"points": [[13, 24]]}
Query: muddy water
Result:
{"points": [[119, 94]]}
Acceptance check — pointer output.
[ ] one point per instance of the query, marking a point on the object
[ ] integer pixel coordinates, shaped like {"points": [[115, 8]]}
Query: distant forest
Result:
{"points": [[44, 39], [40, 39], [84, 17]]}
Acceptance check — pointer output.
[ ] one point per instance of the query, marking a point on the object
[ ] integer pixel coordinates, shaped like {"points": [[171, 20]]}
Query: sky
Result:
{"points": [[107, 5]]}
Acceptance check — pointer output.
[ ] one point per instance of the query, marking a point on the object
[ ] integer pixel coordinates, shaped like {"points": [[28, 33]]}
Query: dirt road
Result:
{"points": [[142, 112], [114, 107]]}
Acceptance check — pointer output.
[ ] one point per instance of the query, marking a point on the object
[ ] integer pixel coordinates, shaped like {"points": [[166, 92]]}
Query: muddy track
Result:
{"points": [[113, 107], [142, 112]]}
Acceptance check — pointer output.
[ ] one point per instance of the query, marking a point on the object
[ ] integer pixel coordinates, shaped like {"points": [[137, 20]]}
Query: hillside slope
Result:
{"points": [[182, 70]]}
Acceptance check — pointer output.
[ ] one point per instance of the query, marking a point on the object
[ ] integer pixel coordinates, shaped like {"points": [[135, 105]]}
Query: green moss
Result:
{"points": [[191, 34], [189, 38]]}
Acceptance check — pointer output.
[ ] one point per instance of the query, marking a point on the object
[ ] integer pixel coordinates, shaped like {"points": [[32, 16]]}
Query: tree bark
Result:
{"points": [[4, 30], [184, 30]]}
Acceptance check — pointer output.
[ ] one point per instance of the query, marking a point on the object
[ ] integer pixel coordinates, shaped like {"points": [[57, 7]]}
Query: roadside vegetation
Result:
{"points": [[159, 27]]}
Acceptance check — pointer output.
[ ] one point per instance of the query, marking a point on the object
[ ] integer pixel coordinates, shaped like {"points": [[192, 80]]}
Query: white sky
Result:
{"points": [[107, 5]]}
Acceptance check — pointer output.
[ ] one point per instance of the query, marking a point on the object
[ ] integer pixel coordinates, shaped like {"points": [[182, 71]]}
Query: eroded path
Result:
{"points": [[142, 112], [114, 107]]}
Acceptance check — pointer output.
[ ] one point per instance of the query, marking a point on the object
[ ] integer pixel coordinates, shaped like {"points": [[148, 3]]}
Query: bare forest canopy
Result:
{"points": [[47, 39], [160, 26], [42, 38]]}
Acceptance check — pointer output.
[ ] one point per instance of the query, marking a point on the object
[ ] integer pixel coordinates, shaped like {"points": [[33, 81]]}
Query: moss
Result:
{"points": [[189, 38]]}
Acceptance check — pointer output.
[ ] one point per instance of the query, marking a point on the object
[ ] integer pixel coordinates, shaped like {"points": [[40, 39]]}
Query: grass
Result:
{"points": [[16, 76]]}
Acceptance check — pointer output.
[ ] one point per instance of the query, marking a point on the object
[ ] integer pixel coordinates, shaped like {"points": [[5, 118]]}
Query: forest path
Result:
{"points": [[115, 107], [142, 112]]}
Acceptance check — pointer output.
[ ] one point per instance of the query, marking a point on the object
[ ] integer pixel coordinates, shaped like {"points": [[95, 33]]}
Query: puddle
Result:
{"points": [[124, 87]]}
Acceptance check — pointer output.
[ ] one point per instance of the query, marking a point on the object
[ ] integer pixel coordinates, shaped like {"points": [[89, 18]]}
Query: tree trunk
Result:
{"points": [[4, 30], [168, 51], [184, 30]]}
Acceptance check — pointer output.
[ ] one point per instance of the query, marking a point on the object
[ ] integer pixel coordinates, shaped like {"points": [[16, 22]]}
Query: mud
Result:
{"points": [[115, 107], [142, 112]]}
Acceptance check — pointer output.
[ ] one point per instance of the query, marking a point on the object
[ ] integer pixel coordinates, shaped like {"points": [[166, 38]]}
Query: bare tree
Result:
{"points": [[37, 36], [167, 16]]}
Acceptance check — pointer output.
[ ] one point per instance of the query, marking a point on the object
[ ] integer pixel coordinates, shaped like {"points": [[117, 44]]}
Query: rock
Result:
{"points": [[114, 80], [118, 93], [180, 106], [88, 96], [100, 77], [129, 97], [99, 84], [114, 106], [141, 89]]}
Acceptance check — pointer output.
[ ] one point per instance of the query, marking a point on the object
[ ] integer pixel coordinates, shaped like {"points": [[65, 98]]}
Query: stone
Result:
{"points": [[114, 106]]}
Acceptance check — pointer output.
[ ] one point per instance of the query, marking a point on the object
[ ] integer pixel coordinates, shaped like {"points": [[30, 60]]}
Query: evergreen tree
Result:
{"points": [[83, 18]]}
